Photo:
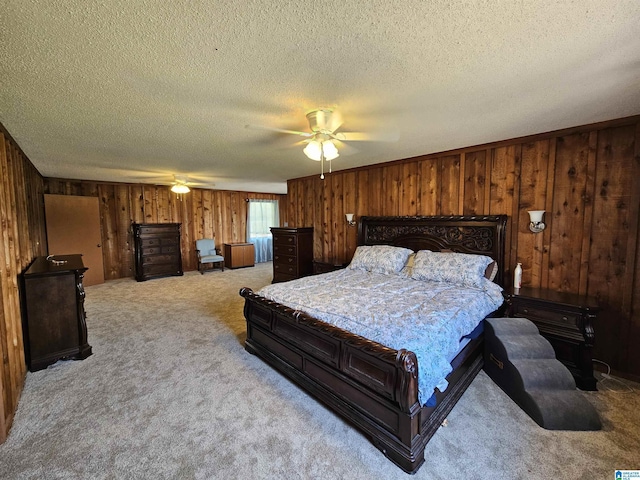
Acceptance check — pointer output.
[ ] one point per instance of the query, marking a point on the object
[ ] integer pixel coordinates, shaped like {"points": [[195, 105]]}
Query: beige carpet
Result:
{"points": [[170, 392]]}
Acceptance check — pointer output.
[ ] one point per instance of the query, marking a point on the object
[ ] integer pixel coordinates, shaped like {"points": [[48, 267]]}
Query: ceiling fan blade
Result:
{"points": [[182, 179], [281, 130], [201, 184], [368, 137], [344, 148]]}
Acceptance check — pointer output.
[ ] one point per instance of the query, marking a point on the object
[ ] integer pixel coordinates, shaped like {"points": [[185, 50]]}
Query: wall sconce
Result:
{"points": [[350, 221], [536, 225]]}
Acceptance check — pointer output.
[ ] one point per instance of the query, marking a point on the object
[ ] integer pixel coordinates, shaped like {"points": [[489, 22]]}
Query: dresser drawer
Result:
{"points": [[284, 249], [283, 268], [555, 317], [144, 251], [284, 260], [283, 239], [170, 240], [150, 242], [158, 249], [159, 259], [157, 229], [162, 269]]}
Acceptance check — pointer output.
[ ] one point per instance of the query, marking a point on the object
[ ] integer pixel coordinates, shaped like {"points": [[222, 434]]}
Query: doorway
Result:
{"points": [[73, 226]]}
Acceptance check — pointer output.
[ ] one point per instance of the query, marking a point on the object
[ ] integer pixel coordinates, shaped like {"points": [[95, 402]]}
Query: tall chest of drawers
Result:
{"points": [[157, 250], [292, 253]]}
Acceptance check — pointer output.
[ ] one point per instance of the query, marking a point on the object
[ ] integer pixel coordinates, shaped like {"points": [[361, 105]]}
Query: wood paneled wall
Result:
{"points": [[586, 178], [22, 239], [218, 214]]}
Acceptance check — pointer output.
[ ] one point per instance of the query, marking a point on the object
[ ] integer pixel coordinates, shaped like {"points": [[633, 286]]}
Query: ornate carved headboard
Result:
{"points": [[483, 235]]}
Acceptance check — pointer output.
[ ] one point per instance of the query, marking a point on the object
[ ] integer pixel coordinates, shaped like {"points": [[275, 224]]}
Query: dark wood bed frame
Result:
{"points": [[372, 386]]}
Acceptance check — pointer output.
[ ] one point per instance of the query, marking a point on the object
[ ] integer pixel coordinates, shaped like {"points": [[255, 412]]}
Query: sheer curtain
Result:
{"points": [[263, 214]]}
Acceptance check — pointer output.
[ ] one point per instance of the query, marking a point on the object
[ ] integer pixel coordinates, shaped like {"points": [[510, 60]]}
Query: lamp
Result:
{"points": [[180, 188], [350, 221], [535, 224]]}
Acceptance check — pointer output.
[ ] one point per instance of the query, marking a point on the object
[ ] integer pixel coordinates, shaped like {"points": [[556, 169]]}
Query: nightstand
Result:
{"points": [[320, 266], [566, 321]]}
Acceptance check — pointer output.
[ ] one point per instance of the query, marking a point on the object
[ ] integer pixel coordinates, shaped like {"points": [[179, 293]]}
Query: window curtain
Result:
{"points": [[263, 214]]}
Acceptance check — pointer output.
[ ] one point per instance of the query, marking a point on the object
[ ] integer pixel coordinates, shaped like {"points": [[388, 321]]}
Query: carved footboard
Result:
{"points": [[372, 386]]}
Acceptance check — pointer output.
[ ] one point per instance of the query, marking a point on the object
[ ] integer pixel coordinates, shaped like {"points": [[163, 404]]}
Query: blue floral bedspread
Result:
{"points": [[427, 318]]}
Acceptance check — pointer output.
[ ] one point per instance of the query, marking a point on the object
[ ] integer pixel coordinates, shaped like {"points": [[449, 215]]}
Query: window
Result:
{"points": [[263, 214]]}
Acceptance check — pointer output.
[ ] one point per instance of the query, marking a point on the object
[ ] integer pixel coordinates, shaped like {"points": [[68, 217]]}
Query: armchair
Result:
{"points": [[208, 253]]}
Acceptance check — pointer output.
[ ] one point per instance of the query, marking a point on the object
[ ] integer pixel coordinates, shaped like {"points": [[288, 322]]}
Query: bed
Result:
{"points": [[375, 387]]}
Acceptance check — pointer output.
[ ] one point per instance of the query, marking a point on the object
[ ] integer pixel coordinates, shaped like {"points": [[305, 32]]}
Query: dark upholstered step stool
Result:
{"points": [[522, 362]]}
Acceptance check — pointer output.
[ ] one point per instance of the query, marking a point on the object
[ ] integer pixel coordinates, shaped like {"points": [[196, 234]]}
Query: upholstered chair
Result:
{"points": [[208, 253]]}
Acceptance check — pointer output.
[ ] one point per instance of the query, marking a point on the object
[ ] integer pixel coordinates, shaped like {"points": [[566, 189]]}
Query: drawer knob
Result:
{"points": [[525, 310], [565, 318]]}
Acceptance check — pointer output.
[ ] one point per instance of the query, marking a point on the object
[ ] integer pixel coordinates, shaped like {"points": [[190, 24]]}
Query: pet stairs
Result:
{"points": [[522, 362]]}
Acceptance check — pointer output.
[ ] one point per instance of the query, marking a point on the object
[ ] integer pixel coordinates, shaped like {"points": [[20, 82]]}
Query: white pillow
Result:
{"points": [[457, 268], [380, 259]]}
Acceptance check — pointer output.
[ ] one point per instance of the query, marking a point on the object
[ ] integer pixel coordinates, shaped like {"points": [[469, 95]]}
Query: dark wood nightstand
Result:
{"points": [[566, 321], [320, 266]]}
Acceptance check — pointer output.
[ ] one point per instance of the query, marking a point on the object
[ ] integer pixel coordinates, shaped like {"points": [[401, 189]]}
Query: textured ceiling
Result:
{"points": [[138, 90]]}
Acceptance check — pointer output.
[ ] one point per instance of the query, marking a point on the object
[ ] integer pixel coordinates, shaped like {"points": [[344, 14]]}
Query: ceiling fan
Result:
{"points": [[324, 138], [180, 183]]}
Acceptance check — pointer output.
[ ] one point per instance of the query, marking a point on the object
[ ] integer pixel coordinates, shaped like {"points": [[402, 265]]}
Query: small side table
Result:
{"points": [[237, 255], [321, 266], [566, 321]]}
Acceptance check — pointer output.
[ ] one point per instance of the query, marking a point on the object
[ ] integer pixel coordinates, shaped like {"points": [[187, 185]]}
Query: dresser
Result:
{"points": [[292, 253], [237, 255], [566, 321], [157, 250], [54, 321]]}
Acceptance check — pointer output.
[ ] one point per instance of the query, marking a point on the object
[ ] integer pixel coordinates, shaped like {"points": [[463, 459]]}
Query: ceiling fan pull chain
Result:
{"points": [[321, 164]]}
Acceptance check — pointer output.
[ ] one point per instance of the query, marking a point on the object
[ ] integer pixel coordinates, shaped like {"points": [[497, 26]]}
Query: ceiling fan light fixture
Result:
{"points": [[330, 150], [315, 149], [180, 189], [312, 150]]}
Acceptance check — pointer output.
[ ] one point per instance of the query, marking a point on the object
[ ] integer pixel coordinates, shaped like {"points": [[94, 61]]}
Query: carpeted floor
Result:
{"points": [[170, 392]]}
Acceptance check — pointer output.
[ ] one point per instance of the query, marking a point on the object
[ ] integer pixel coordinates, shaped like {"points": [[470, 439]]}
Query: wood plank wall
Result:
{"points": [[218, 214], [22, 239], [586, 178]]}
